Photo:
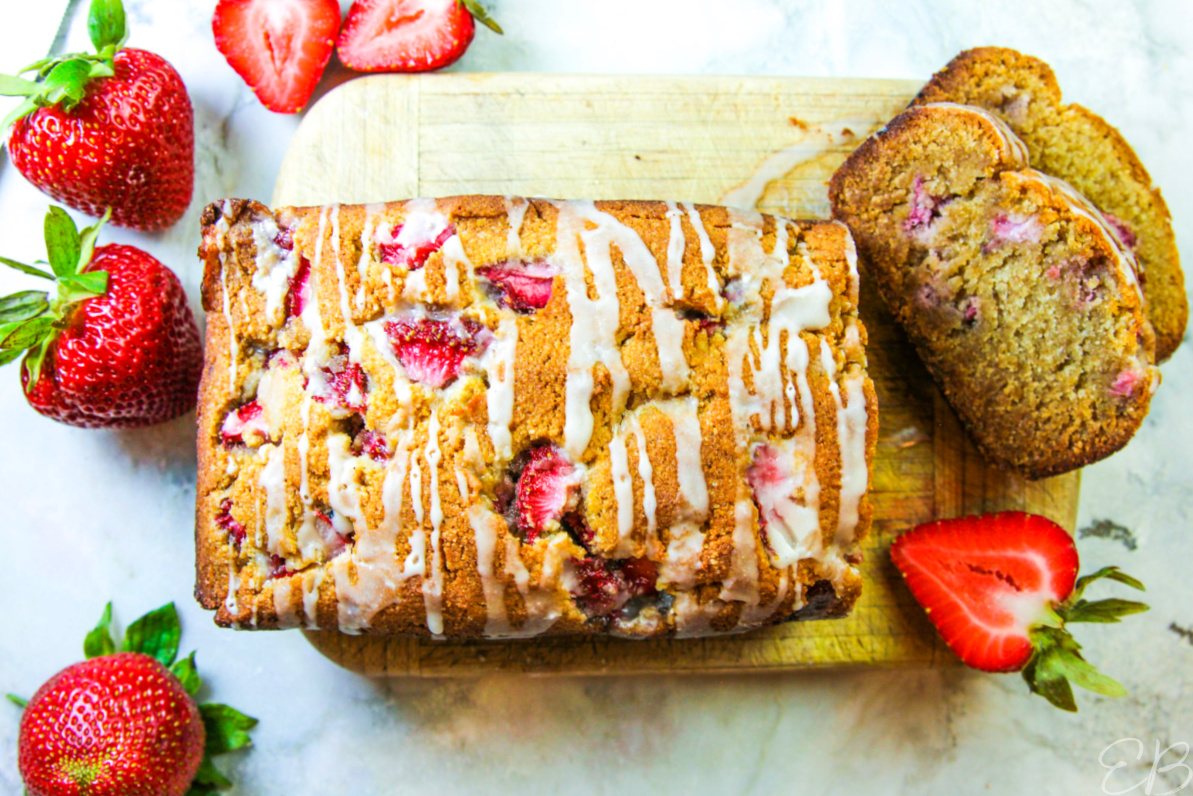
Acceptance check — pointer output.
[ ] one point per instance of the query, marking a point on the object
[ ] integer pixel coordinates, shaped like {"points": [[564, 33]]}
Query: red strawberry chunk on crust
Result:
{"points": [[299, 293], [432, 350], [411, 247], [225, 520], [342, 384], [404, 35], [372, 444], [1126, 383], [600, 589], [641, 576], [245, 426], [547, 488], [278, 47], [985, 581], [278, 568], [523, 287]]}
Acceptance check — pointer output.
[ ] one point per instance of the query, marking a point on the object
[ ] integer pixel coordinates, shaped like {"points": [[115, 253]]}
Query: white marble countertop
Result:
{"points": [[93, 515]]}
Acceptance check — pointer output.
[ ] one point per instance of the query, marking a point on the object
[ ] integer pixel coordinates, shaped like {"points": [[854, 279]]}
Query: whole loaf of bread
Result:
{"points": [[488, 416]]}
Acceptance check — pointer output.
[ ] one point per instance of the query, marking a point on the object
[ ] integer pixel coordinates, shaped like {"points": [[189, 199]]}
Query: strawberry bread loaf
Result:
{"points": [[1020, 298], [497, 417]]}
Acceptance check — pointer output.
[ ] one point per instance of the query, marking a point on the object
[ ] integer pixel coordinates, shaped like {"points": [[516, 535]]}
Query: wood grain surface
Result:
{"points": [[700, 139]]}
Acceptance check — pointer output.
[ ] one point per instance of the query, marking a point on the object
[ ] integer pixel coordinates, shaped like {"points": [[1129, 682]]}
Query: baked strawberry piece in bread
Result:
{"points": [[1081, 148], [494, 417], [1020, 299]]}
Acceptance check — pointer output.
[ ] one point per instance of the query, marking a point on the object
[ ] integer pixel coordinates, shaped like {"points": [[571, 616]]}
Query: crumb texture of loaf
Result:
{"points": [[488, 416], [1019, 297], [1081, 148]]}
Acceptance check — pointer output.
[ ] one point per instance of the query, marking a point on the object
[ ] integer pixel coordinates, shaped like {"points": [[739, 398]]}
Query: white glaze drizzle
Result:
{"points": [[692, 618], [283, 604], [312, 579], [675, 249], [515, 213], [433, 586], [275, 267], [669, 335], [708, 253], [273, 480], [487, 527], [374, 556], [499, 361], [374, 213], [851, 442], [623, 493], [815, 141]]}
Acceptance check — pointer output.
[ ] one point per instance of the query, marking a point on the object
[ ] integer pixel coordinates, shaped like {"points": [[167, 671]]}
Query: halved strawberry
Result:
{"points": [[411, 249], [1000, 588], [547, 488], [244, 425], [523, 287], [408, 35], [278, 47], [433, 351]]}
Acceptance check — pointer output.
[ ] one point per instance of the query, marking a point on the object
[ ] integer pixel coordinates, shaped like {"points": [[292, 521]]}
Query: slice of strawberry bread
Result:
{"points": [[1081, 148], [489, 416], [1021, 300]]}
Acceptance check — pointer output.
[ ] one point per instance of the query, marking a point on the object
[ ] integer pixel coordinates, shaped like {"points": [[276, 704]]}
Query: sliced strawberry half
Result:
{"points": [[408, 35], [412, 245], [245, 425], [342, 385], [548, 486], [278, 47], [1000, 588], [433, 350], [523, 287]]}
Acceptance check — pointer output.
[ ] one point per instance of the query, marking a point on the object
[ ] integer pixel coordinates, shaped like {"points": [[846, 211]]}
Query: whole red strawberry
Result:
{"points": [[125, 723], [1000, 589], [408, 35], [114, 129], [120, 724], [278, 47], [116, 348]]}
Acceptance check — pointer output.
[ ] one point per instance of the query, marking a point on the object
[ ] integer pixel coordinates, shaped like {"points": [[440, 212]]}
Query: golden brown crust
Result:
{"points": [[449, 432], [1021, 303], [1080, 147]]}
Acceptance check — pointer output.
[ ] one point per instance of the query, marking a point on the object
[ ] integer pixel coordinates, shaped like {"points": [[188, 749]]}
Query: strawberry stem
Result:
{"points": [[1056, 663], [62, 80]]}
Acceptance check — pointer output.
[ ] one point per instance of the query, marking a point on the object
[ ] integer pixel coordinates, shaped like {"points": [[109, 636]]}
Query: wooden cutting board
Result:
{"points": [[765, 142]]}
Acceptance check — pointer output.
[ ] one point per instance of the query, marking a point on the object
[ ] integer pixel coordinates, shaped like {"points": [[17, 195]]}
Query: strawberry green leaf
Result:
{"points": [[25, 269], [23, 306], [33, 362], [99, 640], [26, 334], [1050, 684], [187, 674], [156, 634], [17, 86], [105, 23], [87, 239], [1110, 573], [208, 779], [8, 355], [26, 107], [66, 81], [16, 700], [1078, 671], [62, 242], [480, 15], [82, 286], [227, 728], [1105, 611]]}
